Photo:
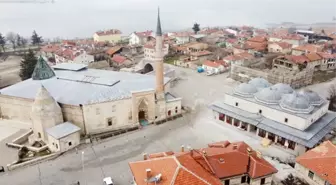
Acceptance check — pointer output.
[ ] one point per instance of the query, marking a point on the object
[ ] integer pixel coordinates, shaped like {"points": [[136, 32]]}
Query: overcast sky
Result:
{"points": [[81, 18]]}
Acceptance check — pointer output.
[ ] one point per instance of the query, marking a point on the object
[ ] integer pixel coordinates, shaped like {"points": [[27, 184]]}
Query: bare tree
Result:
{"points": [[332, 97], [11, 37]]}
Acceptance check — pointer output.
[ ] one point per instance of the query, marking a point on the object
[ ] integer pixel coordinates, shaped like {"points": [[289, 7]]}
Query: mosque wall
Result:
{"points": [[73, 114], [107, 116], [15, 108]]}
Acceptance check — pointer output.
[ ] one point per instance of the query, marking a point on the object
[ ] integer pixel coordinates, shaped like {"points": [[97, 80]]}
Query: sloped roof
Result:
{"points": [[308, 47], [119, 59], [42, 70], [62, 130], [321, 160], [300, 59], [313, 56], [204, 166]]}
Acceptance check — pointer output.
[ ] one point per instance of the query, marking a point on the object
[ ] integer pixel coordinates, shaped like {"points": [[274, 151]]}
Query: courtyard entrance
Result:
{"points": [[143, 114]]}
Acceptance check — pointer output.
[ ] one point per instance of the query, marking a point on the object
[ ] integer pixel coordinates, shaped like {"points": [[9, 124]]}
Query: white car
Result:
{"points": [[108, 181]]}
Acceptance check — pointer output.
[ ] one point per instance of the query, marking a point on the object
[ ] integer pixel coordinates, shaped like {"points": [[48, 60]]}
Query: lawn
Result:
{"points": [[170, 60]]}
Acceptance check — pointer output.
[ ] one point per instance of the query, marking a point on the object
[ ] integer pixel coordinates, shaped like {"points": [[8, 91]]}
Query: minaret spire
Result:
{"points": [[158, 26]]}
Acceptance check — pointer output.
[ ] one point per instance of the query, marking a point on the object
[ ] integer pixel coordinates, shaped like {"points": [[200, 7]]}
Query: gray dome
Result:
{"points": [[296, 103], [283, 88], [259, 83], [245, 90], [268, 96], [313, 97]]}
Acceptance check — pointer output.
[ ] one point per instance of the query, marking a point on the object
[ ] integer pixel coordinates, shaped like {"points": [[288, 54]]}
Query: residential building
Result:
{"points": [[239, 59], [294, 39], [111, 36], [73, 56], [318, 164], [279, 47], [49, 50], [185, 61], [215, 67], [328, 61], [96, 101], [120, 61], [230, 42], [149, 50], [221, 163], [201, 56], [140, 38], [293, 62], [307, 48], [181, 37], [196, 47], [293, 121]]}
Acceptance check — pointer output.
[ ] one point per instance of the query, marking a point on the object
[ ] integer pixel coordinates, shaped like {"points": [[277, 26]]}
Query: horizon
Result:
{"points": [[71, 19]]}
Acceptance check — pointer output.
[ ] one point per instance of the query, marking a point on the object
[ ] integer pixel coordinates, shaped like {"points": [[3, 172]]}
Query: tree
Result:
{"points": [[196, 28], [332, 98], [18, 40], [24, 42], [11, 37], [27, 65], [291, 180], [2, 42], [36, 39]]}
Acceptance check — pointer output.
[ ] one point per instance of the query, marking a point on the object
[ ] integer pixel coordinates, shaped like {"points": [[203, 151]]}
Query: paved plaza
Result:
{"points": [[111, 156]]}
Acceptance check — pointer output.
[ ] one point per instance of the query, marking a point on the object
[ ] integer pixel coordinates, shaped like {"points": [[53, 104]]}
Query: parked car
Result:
{"points": [[108, 181], [2, 169]]}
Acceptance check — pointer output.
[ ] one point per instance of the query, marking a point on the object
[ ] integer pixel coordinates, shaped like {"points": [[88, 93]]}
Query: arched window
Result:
{"points": [[39, 135], [70, 143]]}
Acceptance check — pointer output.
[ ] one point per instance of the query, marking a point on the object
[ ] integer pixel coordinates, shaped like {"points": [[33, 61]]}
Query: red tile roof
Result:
{"points": [[204, 166], [321, 160], [50, 48], [326, 55], [108, 32], [239, 56], [300, 59], [283, 45], [216, 63], [292, 37], [201, 53], [232, 41], [119, 59], [308, 47], [144, 34], [113, 50], [313, 56], [259, 39]]}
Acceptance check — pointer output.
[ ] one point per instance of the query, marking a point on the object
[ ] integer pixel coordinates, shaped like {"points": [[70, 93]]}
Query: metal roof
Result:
{"points": [[268, 96], [309, 137], [245, 90], [67, 91], [296, 103], [69, 66], [61, 130], [42, 70]]}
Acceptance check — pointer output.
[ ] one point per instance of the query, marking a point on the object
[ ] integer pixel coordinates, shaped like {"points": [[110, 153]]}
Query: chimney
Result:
{"points": [[259, 155], [148, 173], [145, 156], [182, 148]]}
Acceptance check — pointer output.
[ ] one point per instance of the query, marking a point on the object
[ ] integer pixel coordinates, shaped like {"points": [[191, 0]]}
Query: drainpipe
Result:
{"points": [[249, 152], [81, 106]]}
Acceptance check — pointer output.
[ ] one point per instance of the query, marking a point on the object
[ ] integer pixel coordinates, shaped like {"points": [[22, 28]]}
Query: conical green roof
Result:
{"points": [[42, 70]]}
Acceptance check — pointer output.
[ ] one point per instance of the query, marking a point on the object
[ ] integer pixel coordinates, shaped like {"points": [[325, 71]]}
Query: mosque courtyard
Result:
{"points": [[110, 157]]}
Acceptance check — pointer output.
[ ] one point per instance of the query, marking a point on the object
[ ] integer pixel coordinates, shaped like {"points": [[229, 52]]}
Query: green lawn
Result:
{"points": [[170, 60]]}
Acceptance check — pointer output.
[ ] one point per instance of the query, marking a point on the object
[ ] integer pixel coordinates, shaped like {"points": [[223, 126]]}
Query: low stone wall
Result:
{"points": [[11, 167], [31, 148], [244, 74], [24, 137]]}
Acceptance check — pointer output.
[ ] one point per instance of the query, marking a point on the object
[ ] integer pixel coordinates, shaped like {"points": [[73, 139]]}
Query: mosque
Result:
{"points": [[293, 120], [70, 98]]}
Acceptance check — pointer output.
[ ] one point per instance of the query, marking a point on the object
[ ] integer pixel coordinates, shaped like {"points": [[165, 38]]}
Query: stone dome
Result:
{"points": [[245, 90], [313, 97], [268, 95], [44, 104], [296, 103], [283, 88], [259, 83]]}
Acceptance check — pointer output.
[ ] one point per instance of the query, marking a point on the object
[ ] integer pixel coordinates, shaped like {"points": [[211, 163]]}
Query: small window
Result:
{"points": [[262, 181], [227, 182], [243, 179], [70, 143], [39, 135], [286, 120], [97, 111], [109, 121], [176, 108], [260, 111], [311, 174], [237, 104], [113, 108], [155, 117], [56, 146]]}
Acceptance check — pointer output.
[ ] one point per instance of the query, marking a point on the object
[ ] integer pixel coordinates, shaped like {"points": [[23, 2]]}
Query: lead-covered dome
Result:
{"points": [[296, 103], [245, 90], [268, 95], [259, 83], [283, 88], [313, 97]]}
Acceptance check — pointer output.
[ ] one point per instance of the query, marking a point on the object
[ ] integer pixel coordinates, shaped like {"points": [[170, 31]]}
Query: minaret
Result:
{"points": [[159, 93], [159, 58]]}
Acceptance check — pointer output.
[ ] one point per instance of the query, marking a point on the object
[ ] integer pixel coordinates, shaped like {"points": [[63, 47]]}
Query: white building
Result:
{"points": [[73, 56], [140, 38], [296, 121], [214, 67], [149, 51], [181, 37], [95, 100]]}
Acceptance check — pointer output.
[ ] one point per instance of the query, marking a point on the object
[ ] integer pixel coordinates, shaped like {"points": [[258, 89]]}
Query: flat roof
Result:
{"points": [[69, 66], [62, 130]]}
